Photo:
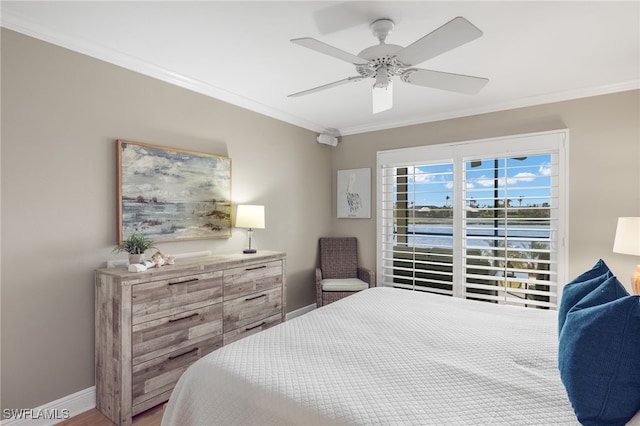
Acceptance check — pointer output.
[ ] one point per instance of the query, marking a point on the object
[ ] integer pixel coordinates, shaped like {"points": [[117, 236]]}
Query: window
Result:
{"points": [[482, 220]]}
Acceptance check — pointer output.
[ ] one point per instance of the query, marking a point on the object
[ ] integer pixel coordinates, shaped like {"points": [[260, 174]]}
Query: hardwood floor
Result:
{"points": [[151, 417]]}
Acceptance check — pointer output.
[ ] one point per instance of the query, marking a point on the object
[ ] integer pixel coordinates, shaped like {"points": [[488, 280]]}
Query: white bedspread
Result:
{"points": [[387, 357]]}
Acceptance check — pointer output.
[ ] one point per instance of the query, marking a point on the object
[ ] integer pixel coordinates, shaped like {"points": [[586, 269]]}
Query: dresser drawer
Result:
{"points": [[167, 334], [252, 278], [242, 311], [157, 299], [152, 381], [251, 328]]}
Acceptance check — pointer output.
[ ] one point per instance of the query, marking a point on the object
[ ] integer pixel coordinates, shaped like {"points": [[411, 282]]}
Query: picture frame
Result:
{"points": [[354, 193], [172, 194]]}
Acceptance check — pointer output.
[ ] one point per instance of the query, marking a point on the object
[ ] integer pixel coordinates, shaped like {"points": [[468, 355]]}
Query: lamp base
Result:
{"points": [[249, 251], [635, 281]]}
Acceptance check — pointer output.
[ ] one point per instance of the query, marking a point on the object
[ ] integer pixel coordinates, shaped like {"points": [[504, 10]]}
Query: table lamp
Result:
{"points": [[251, 217], [627, 241]]}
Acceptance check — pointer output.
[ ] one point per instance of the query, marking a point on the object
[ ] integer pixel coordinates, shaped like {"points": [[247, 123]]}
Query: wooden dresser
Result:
{"points": [[151, 325]]}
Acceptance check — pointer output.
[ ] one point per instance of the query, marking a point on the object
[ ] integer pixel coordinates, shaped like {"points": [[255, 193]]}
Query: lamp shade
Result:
{"points": [[250, 216], [627, 236]]}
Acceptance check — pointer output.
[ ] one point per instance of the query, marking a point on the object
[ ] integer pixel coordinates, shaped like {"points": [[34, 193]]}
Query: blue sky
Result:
{"points": [[525, 181]]}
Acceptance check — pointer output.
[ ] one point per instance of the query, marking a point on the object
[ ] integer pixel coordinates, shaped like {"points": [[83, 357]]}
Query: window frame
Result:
{"points": [[555, 142]]}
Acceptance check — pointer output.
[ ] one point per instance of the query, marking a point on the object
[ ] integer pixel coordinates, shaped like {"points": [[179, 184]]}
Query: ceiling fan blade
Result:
{"points": [[326, 49], [444, 80], [454, 33], [327, 86]]}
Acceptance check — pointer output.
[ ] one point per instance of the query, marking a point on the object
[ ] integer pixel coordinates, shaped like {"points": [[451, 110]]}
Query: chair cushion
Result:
{"points": [[343, 284]]}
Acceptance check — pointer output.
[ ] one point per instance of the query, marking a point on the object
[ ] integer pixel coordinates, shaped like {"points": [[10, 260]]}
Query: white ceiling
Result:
{"points": [[532, 52]]}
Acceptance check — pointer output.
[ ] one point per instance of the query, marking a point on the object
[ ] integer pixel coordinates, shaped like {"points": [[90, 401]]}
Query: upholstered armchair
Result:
{"points": [[339, 274]]}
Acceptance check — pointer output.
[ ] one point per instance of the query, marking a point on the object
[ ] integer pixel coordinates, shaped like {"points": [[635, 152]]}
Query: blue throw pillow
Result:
{"points": [[598, 269], [610, 289], [579, 287], [599, 356]]}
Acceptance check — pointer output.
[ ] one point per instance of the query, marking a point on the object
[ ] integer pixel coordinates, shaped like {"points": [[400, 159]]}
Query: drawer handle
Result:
{"points": [[255, 297], [184, 318], [257, 267], [184, 282], [255, 326], [186, 353]]}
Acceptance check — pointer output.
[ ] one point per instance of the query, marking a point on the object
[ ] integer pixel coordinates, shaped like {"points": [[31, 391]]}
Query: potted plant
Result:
{"points": [[135, 244]]}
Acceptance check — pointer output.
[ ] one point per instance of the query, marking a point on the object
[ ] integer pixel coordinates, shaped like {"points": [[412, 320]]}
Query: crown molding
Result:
{"points": [[504, 106]]}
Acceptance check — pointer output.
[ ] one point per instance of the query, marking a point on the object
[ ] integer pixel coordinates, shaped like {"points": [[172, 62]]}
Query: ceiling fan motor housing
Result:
{"points": [[381, 55]]}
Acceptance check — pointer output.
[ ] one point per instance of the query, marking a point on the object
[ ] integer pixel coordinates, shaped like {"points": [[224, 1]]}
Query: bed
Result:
{"points": [[384, 356]]}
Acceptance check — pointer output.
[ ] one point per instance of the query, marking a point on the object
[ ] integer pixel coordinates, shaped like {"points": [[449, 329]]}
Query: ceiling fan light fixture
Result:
{"points": [[382, 78], [382, 97]]}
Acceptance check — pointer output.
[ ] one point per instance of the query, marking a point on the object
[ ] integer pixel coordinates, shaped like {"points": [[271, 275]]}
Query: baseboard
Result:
{"points": [[52, 412], [300, 311]]}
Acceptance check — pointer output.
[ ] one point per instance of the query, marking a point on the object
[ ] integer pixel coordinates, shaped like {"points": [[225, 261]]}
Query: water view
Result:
{"points": [[429, 235], [174, 220]]}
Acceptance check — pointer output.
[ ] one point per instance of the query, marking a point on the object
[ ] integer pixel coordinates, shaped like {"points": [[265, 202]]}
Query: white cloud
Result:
{"points": [[514, 180], [417, 175], [545, 169], [485, 181], [521, 177]]}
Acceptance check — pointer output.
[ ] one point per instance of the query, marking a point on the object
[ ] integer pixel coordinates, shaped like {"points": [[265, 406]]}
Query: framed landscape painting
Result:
{"points": [[171, 194]]}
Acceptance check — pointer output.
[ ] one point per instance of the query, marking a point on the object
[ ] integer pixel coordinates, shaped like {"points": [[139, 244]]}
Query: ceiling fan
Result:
{"points": [[384, 61]]}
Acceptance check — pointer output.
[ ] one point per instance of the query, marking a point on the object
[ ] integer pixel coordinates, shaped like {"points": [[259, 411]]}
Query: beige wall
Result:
{"points": [[61, 115], [604, 172]]}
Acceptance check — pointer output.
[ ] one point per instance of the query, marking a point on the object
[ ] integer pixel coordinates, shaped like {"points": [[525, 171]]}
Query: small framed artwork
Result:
{"points": [[354, 193], [171, 194]]}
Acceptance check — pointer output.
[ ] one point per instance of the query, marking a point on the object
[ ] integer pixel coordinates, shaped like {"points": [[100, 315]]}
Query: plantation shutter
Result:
{"points": [[510, 219], [418, 230], [482, 220]]}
